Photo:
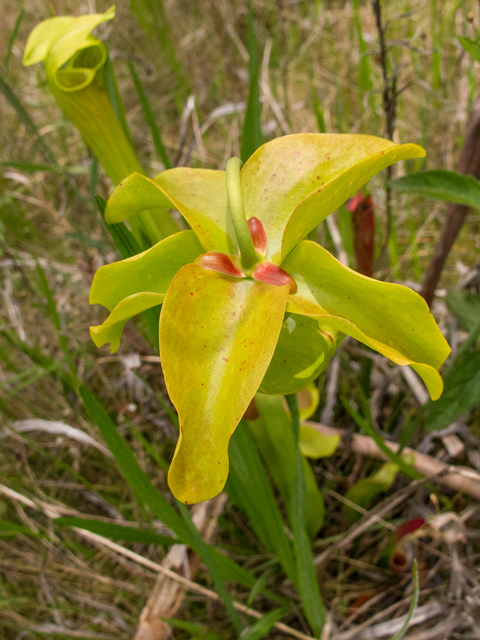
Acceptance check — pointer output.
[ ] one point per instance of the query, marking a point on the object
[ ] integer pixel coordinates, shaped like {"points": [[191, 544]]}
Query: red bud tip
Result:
{"points": [[271, 274], [258, 234], [221, 262], [409, 527]]}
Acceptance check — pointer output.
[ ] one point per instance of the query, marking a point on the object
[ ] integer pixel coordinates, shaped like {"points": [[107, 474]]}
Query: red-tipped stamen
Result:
{"points": [[258, 234], [221, 262], [271, 274]]}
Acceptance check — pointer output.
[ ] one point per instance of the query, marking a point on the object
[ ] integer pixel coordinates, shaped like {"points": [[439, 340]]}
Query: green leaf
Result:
{"points": [[202, 633], [461, 394], [390, 318], [447, 186], [31, 166], [273, 435], [294, 182], [152, 271], [314, 444], [248, 478], [12, 529], [301, 355], [13, 99], [465, 307], [416, 591], [213, 365], [199, 194], [252, 125], [12, 38], [307, 576], [136, 478], [471, 46], [149, 119], [369, 429], [366, 490], [122, 236], [204, 551], [260, 628], [117, 531], [147, 494]]}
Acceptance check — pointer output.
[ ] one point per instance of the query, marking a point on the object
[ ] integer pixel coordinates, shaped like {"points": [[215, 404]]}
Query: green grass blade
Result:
{"points": [[416, 589], [147, 494], [52, 310], [11, 96], [260, 628], [149, 119], [115, 97], [13, 37], [370, 431], [249, 488], [117, 531], [471, 46], [307, 582], [136, 478], [122, 236], [32, 166], [252, 126], [12, 529], [204, 551], [318, 110]]}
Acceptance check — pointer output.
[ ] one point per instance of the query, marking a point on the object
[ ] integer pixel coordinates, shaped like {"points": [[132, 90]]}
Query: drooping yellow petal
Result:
{"points": [[217, 336], [390, 318]]}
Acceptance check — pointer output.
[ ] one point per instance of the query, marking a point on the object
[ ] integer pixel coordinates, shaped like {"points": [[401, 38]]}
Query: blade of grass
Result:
{"points": [[307, 582], [252, 126], [55, 317], [249, 488], [32, 166], [136, 478], [115, 97], [261, 627], [203, 551], [147, 494], [149, 119], [13, 37], [416, 588], [116, 531], [318, 110], [11, 96], [370, 431]]}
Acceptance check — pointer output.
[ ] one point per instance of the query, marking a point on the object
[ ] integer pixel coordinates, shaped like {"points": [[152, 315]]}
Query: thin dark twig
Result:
{"points": [[389, 95]]}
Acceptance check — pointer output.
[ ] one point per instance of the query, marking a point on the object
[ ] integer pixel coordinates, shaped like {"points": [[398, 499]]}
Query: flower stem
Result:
{"points": [[235, 199]]}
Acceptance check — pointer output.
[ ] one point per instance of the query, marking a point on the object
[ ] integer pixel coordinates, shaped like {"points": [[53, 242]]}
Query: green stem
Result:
{"points": [[235, 199]]}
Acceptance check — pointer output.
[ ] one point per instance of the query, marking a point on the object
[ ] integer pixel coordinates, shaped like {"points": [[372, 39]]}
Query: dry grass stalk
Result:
{"points": [[455, 477], [167, 595]]}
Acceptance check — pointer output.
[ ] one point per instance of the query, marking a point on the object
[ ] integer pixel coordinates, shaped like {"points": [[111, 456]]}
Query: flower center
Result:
{"points": [[230, 266]]}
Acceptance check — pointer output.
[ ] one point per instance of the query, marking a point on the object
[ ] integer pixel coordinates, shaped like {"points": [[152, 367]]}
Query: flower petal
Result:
{"points": [[292, 183], [199, 194], [392, 319], [217, 336], [111, 330], [153, 270]]}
